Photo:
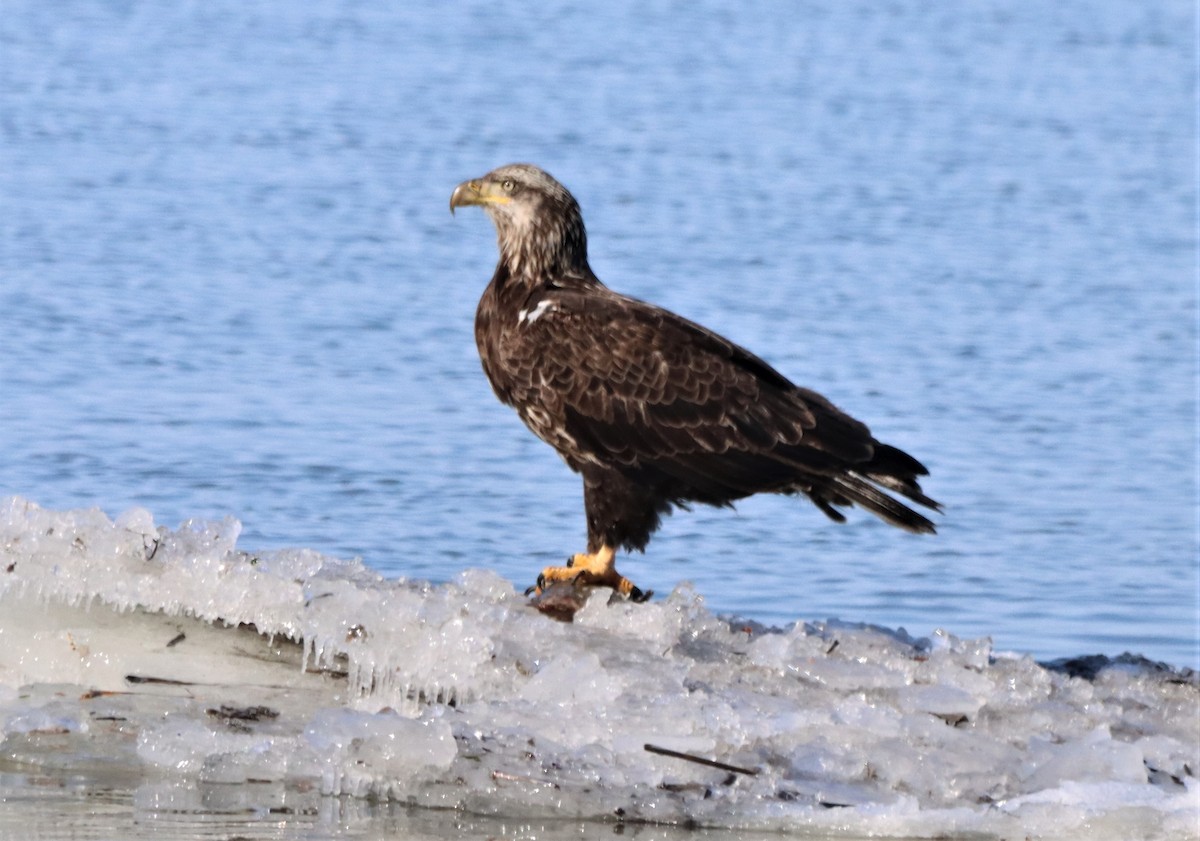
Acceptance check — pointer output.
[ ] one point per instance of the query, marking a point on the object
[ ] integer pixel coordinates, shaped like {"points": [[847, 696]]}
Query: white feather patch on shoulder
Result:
{"points": [[529, 316]]}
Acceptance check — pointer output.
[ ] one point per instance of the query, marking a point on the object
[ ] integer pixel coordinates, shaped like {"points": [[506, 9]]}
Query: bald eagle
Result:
{"points": [[654, 411]]}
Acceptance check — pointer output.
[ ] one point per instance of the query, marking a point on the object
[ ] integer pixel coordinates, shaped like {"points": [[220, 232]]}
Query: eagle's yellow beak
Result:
{"points": [[477, 192]]}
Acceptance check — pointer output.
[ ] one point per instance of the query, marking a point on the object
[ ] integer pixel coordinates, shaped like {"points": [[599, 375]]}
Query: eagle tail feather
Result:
{"points": [[897, 471], [861, 492]]}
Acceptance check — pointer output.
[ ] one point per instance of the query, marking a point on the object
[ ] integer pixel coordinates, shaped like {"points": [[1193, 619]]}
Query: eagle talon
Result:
{"points": [[639, 596], [538, 588]]}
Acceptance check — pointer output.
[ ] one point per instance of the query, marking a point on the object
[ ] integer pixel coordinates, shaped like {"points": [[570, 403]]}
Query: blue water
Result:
{"points": [[229, 282]]}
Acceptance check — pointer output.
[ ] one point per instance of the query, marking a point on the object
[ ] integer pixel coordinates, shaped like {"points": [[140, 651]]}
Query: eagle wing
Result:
{"points": [[619, 382]]}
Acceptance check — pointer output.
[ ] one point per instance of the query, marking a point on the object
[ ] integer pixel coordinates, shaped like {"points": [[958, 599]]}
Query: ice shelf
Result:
{"points": [[173, 654]]}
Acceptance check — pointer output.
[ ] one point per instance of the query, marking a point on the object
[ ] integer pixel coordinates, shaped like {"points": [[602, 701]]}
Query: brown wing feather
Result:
{"points": [[641, 387]]}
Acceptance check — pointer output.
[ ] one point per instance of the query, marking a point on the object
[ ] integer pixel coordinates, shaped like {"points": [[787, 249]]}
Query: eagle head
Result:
{"points": [[538, 223]]}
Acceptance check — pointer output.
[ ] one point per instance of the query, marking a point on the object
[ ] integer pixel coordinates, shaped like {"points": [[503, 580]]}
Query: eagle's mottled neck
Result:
{"points": [[549, 243]]}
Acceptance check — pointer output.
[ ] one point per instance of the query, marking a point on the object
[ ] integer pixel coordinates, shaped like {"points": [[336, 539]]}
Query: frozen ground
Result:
{"points": [[277, 681]]}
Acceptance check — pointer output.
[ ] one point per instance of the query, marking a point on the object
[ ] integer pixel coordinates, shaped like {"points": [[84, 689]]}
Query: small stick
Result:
{"points": [[165, 681], [700, 760]]}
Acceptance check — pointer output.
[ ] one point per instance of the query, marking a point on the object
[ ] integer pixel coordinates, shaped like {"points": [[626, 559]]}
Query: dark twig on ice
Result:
{"points": [[700, 760], [230, 712], [164, 681]]}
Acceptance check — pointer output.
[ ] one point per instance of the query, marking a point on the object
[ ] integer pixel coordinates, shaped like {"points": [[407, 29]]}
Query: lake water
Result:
{"points": [[230, 283]]}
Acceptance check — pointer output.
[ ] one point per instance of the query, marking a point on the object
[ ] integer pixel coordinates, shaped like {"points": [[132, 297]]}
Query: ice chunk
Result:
{"points": [[382, 753], [182, 743], [579, 682], [1095, 758], [946, 702], [51, 718]]}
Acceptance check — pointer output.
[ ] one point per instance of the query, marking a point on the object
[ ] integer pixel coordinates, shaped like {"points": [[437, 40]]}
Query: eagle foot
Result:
{"points": [[596, 569]]}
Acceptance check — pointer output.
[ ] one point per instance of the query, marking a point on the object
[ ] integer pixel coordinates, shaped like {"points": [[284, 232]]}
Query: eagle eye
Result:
{"points": [[509, 185]]}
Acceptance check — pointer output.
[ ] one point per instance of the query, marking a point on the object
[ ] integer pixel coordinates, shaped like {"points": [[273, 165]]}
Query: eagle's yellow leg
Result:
{"points": [[597, 568]]}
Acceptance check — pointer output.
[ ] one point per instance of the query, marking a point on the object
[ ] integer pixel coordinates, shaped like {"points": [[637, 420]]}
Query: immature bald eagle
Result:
{"points": [[653, 410]]}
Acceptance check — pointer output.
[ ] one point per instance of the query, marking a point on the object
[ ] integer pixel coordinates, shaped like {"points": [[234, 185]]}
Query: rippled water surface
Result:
{"points": [[230, 283]]}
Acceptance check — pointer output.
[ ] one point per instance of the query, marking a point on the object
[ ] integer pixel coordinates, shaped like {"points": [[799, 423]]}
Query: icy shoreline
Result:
{"points": [[172, 654]]}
